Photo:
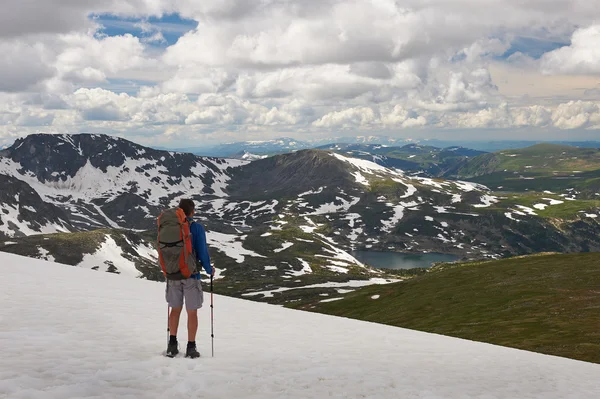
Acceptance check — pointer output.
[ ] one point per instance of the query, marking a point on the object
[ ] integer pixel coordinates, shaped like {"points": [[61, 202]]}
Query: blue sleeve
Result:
{"points": [[200, 246]]}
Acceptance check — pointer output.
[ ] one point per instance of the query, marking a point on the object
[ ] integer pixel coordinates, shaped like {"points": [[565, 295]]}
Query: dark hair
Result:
{"points": [[187, 205]]}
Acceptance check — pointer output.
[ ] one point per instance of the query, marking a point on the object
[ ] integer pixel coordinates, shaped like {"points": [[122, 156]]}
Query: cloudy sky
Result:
{"points": [[167, 72]]}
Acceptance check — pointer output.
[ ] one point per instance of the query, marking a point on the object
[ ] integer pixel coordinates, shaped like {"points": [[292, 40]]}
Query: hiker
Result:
{"points": [[182, 275]]}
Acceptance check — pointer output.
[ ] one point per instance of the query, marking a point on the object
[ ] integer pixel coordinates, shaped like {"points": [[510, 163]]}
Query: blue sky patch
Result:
{"points": [[532, 47], [171, 26]]}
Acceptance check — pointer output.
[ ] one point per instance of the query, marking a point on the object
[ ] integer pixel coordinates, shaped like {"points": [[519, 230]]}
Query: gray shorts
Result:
{"points": [[190, 289]]}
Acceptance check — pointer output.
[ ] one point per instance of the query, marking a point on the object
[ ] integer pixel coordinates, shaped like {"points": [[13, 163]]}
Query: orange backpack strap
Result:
{"points": [[187, 243], [161, 260]]}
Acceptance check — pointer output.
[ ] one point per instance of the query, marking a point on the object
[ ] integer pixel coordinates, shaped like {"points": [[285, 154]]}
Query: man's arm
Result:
{"points": [[201, 247]]}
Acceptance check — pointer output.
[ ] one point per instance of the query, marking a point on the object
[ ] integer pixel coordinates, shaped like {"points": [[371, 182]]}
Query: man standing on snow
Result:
{"points": [[190, 288]]}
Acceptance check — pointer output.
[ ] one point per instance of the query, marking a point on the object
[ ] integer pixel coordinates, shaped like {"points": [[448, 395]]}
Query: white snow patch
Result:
{"points": [[429, 182], [469, 186], [308, 229], [331, 207], [442, 238], [109, 253], [337, 269], [110, 222], [487, 200], [375, 297], [305, 266], [553, 201], [229, 244], [510, 216], [310, 192], [331, 299], [145, 250], [270, 267], [527, 209], [360, 178], [44, 254], [365, 166], [389, 224], [284, 246], [410, 189], [338, 263], [351, 283]]}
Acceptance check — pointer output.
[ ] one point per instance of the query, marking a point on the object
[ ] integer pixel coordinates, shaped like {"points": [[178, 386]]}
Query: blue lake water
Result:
{"points": [[396, 260]]}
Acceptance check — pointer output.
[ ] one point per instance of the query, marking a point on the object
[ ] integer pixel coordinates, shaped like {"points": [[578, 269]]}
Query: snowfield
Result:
{"points": [[69, 332]]}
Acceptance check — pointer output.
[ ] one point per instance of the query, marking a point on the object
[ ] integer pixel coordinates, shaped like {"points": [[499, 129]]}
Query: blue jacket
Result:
{"points": [[200, 246]]}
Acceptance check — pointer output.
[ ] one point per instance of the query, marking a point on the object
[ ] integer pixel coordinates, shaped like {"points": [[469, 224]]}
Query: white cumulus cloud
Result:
{"points": [[304, 67], [582, 56]]}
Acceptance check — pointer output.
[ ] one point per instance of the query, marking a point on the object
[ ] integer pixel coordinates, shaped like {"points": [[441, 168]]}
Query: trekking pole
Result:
{"points": [[212, 335], [168, 315]]}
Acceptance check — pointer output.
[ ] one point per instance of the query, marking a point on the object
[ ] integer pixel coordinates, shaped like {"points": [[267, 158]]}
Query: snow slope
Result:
{"points": [[68, 332]]}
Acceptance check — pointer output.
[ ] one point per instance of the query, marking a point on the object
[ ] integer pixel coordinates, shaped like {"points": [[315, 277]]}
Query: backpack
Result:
{"points": [[174, 243]]}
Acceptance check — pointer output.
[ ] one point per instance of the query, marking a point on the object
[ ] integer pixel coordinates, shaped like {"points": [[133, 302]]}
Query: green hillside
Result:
{"points": [[539, 167], [543, 303]]}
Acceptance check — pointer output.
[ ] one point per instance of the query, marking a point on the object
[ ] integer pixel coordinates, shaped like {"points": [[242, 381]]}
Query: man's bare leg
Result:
{"points": [[174, 320], [192, 324]]}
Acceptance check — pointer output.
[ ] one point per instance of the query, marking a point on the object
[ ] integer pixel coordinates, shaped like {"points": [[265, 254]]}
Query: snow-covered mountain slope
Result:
{"points": [[101, 181], [276, 226], [23, 212], [362, 205], [73, 333]]}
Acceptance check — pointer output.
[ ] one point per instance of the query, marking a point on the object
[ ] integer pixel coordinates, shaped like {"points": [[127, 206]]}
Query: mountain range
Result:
{"points": [[281, 228], [282, 145]]}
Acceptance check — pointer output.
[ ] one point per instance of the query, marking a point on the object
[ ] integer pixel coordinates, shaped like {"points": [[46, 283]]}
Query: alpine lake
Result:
{"points": [[397, 260]]}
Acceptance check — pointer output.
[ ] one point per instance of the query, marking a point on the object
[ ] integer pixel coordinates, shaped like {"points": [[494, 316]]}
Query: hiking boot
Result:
{"points": [[172, 349], [191, 350]]}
